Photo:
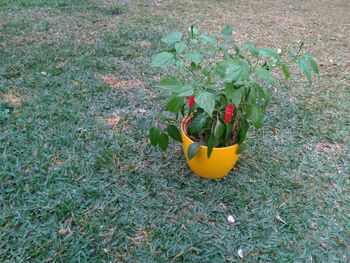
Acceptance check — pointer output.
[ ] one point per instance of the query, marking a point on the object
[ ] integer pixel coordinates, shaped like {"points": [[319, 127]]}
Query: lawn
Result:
{"points": [[79, 181]]}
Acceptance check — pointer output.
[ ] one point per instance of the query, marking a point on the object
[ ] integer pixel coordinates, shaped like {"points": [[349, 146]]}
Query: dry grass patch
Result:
{"points": [[324, 147], [111, 120], [115, 82], [145, 44], [13, 99]]}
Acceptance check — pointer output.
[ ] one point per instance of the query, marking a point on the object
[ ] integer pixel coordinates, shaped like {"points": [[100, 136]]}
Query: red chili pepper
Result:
{"points": [[191, 101], [229, 113]]}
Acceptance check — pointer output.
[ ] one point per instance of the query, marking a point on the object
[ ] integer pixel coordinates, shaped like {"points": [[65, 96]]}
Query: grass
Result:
{"points": [[78, 181]]}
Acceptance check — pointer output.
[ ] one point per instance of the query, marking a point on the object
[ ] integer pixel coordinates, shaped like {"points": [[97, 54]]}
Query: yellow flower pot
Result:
{"points": [[220, 163]]}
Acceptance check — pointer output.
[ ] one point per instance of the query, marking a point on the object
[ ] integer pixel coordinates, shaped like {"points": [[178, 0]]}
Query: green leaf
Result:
{"points": [[224, 50], [285, 70], [219, 129], [220, 69], [183, 110], [174, 104], [227, 31], [264, 74], [170, 83], [242, 147], [185, 91], [206, 101], [193, 150], [172, 38], [255, 114], [180, 47], [207, 69], [238, 51], [258, 90], [212, 53], [267, 52], [163, 59], [243, 129], [194, 42], [163, 141], [174, 133], [233, 94], [211, 145], [194, 67], [154, 136], [197, 123], [180, 65], [194, 31], [259, 93], [312, 63], [292, 55], [196, 58], [252, 48], [175, 85], [207, 40], [305, 67], [236, 71]]}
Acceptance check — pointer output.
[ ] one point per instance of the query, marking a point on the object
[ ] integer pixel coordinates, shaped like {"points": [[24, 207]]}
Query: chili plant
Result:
{"points": [[222, 87]]}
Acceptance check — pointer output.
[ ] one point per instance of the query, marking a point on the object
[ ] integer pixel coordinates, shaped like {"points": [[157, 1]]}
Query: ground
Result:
{"points": [[79, 182]]}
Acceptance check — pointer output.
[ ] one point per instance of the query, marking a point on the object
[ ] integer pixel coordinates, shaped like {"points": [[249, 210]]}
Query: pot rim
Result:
{"points": [[185, 120]]}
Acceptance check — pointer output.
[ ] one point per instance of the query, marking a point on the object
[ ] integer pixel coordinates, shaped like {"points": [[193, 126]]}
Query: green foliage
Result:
{"points": [[305, 67], [193, 149], [264, 74], [312, 62], [154, 136], [196, 58], [239, 76], [171, 83], [198, 122], [236, 71], [242, 131], [206, 101], [252, 48], [233, 94], [212, 142], [267, 53], [307, 64], [172, 38], [227, 31], [285, 70], [162, 60], [219, 129], [175, 104], [180, 47], [174, 133], [163, 141], [255, 114], [242, 147]]}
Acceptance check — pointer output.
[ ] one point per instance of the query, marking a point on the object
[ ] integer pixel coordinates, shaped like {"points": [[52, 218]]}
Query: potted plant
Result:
{"points": [[217, 91]]}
